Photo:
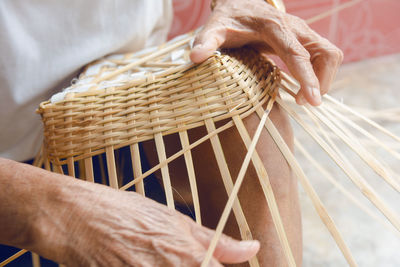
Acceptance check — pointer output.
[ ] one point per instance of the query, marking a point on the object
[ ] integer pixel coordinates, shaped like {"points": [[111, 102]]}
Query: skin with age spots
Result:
{"points": [[84, 224], [311, 59]]}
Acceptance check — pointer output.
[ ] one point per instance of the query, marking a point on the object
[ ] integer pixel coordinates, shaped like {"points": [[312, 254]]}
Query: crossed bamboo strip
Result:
{"points": [[320, 208], [233, 194]]}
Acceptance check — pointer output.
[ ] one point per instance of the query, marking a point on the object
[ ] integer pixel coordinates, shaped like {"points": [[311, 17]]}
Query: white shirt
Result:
{"points": [[43, 45]]}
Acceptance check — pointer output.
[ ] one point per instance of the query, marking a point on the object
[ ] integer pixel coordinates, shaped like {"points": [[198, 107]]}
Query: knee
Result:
{"points": [[281, 121]]}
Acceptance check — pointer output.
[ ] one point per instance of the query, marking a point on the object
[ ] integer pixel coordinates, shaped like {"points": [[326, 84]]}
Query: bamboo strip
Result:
{"points": [[268, 192], [71, 166], [88, 162], [184, 139], [162, 156], [350, 172], [137, 168], [38, 161], [58, 169], [89, 175], [151, 56], [318, 205], [164, 170], [177, 155], [358, 115], [70, 160], [342, 189], [332, 11], [110, 157], [111, 169], [13, 257], [47, 164], [262, 172], [81, 169], [290, 90], [227, 179], [316, 118], [233, 194], [35, 260], [346, 136], [225, 173], [253, 261], [338, 151], [337, 114], [192, 177]]}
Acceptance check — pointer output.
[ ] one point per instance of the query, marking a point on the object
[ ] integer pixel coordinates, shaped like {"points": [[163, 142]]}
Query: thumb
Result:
{"points": [[206, 43], [228, 250]]}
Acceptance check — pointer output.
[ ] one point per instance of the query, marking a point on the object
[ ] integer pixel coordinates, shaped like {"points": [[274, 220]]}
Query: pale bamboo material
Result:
{"points": [[364, 132], [362, 117], [262, 173], [233, 195], [184, 138], [350, 171], [13, 257], [137, 168], [347, 137], [35, 260], [321, 210], [342, 189]]}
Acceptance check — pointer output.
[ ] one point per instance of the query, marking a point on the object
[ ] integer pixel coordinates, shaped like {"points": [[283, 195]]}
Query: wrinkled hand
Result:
{"points": [[311, 59], [93, 225]]}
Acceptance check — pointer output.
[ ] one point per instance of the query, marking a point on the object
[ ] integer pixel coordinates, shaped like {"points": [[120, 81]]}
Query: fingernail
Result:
{"points": [[316, 94], [248, 243]]}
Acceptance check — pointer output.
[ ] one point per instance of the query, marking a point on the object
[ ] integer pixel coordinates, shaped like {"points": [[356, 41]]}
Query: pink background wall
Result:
{"points": [[370, 28]]}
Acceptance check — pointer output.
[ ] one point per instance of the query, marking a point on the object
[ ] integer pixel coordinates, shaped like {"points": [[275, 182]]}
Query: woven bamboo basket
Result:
{"points": [[120, 101]]}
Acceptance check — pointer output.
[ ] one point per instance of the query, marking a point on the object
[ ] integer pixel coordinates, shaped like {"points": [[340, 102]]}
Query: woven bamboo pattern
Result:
{"points": [[181, 98]]}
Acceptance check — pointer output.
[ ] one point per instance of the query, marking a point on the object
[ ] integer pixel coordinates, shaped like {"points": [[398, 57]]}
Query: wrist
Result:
{"points": [[34, 208], [18, 202], [64, 205]]}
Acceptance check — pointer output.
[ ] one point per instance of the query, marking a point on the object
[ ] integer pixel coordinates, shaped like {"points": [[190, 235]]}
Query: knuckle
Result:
{"points": [[340, 55], [334, 54], [300, 22], [290, 47], [297, 51]]}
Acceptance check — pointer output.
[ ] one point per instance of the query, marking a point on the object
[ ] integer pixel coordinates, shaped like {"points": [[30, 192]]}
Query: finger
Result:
{"points": [[228, 250], [207, 42], [298, 61], [326, 59]]}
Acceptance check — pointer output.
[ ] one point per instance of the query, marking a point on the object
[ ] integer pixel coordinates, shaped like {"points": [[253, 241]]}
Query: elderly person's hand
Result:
{"points": [[311, 59], [83, 224]]}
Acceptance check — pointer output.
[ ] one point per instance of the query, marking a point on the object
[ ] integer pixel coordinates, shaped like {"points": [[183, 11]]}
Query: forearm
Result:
{"points": [[20, 197], [29, 197]]}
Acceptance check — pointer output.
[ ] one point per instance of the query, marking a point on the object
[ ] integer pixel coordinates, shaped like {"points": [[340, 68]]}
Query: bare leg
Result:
{"points": [[213, 195]]}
